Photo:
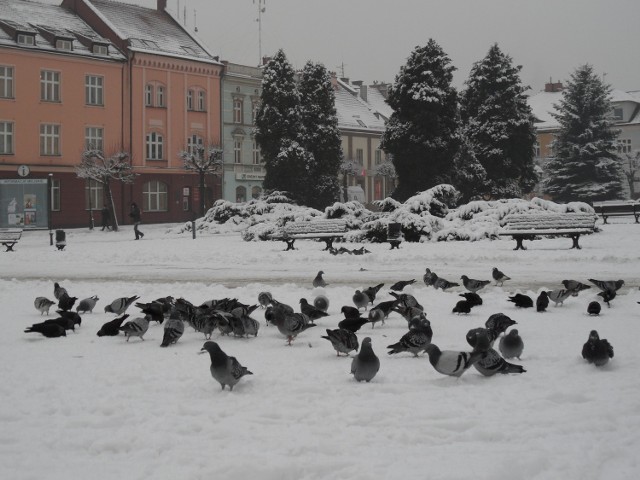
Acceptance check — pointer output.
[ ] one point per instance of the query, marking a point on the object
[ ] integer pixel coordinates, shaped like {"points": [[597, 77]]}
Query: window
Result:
{"points": [[624, 145], [255, 107], [93, 195], [49, 86], [155, 198], [237, 110], [255, 192], [62, 44], [154, 146], [378, 158], [101, 49], [6, 82], [25, 39], [93, 90], [359, 156], [6, 138], [194, 143], [94, 138], [202, 103], [241, 194], [256, 153], [618, 114], [160, 96], [49, 139], [237, 150], [55, 194], [189, 99], [148, 95]]}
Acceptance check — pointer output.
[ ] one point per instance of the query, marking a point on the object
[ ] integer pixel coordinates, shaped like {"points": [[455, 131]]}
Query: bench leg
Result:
{"points": [[395, 244], [329, 243], [604, 219], [9, 246], [519, 245], [637, 216], [290, 244], [575, 241]]}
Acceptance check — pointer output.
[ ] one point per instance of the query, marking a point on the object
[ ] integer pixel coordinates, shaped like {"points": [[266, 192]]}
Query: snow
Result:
{"points": [[100, 407]]}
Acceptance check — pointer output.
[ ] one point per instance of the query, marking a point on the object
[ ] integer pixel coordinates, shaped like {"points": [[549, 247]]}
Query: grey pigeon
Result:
{"points": [[120, 305], [136, 327], [49, 330], [343, 341], [58, 290], [608, 285], [499, 323], [493, 363], [386, 307], [376, 315], [473, 298], [225, 370], [173, 330], [474, 285], [594, 308], [43, 304], [250, 325], [310, 311], [399, 286], [521, 301], [462, 306], [319, 281], [365, 364], [453, 363], [597, 351], [443, 284], [87, 304], [112, 328], [360, 300], [371, 292], [499, 277], [575, 286], [415, 340], [511, 345], [429, 278], [559, 296], [264, 299], [542, 302], [321, 302], [292, 324]]}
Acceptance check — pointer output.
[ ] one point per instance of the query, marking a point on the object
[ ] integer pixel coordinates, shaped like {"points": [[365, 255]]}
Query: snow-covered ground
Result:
{"points": [[101, 408]]}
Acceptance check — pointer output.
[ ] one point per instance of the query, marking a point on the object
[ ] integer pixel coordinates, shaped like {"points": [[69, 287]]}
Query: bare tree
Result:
{"points": [[203, 161], [631, 168], [348, 167], [95, 165]]}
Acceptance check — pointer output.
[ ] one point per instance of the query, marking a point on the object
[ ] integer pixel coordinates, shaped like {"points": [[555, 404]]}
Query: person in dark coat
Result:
{"points": [[136, 217], [106, 218]]}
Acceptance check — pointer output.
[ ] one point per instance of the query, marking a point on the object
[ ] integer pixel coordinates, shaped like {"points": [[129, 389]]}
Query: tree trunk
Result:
{"points": [[114, 217], [202, 193]]}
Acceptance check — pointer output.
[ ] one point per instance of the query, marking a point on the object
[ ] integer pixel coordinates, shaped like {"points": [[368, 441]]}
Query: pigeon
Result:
{"points": [[321, 302], [443, 284], [608, 285], [319, 281], [594, 308], [310, 311], [343, 341], [473, 298], [493, 363], [452, 363], [155, 310], [574, 286], [65, 302], [360, 300], [499, 323], [376, 315], [224, 369], [474, 333], [386, 307], [87, 304], [365, 364], [58, 290], [371, 292], [277, 311], [415, 340], [353, 324], [70, 315], [399, 286], [120, 305], [559, 296], [607, 297], [49, 330], [292, 324], [43, 304], [474, 285], [597, 351], [136, 327], [350, 312], [542, 302], [406, 300], [429, 278], [410, 313], [173, 330], [511, 345], [462, 306], [521, 301], [65, 323], [264, 299], [112, 328], [499, 277]]}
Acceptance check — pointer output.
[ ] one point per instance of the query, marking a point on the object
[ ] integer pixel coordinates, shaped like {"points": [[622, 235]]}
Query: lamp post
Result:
{"points": [[50, 189]]}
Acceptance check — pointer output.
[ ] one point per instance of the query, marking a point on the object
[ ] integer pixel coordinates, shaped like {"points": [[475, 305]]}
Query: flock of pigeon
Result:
{"points": [[233, 318]]}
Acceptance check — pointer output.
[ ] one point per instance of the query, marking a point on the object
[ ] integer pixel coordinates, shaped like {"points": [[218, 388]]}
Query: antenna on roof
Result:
{"points": [[195, 20], [261, 10], [341, 68]]}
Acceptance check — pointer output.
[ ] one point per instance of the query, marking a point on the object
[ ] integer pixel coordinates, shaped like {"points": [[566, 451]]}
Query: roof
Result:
{"points": [[150, 30], [353, 112], [49, 22], [378, 102]]}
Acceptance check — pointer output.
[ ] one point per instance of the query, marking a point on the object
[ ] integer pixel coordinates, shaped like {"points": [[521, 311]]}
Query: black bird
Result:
{"points": [[511, 345], [65, 302], [371, 292], [415, 340], [343, 341], [65, 323], [474, 333], [365, 364], [49, 330], [597, 351], [155, 310], [493, 363], [473, 298], [499, 323], [462, 306], [352, 324], [521, 301], [112, 328], [226, 370], [73, 316], [399, 286], [386, 307], [498, 276], [594, 308], [310, 311], [608, 296], [350, 312], [542, 302]]}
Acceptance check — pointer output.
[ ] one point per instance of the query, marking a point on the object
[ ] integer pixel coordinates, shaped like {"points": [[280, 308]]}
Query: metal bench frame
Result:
{"points": [[617, 209], [327, 230], [529, 226], [9, 237]]}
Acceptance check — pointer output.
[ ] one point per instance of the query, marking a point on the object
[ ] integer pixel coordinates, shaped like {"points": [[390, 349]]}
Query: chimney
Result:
{"points": [[363, 92], [334, 80], [161, 5], [553, 87]]}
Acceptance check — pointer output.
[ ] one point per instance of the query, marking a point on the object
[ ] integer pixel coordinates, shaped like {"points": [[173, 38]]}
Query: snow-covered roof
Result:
{"points": [[378, 102], [47, 23], [150, 30], [353, 112]]}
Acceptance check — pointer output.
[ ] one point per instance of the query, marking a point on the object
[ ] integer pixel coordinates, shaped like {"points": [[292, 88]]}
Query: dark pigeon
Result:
{"points": [[597, 351], [542, 302], [343, 341], [365, 364], [594, 308], [521, 301], [226, 370]]}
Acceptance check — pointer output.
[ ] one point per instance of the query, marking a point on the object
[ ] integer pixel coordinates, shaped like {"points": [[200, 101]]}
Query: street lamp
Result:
{"points": [[49, 188]]}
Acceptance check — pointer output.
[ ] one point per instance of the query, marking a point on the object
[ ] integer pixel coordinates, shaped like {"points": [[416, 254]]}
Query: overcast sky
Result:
{"points": [[371, 39]]}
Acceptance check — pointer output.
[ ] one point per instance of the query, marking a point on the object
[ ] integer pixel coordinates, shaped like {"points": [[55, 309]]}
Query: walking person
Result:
{"points": [[136, 217], [106, 218]]}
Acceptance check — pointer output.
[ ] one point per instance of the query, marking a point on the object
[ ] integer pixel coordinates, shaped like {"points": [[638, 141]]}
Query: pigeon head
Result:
{"points": [[594, 335], [211, 347]]}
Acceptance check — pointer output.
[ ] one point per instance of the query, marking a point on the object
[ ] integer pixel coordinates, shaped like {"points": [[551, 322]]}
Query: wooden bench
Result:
{"points": [[9, 237], [617, 209], [327, 230], [528, 226]]}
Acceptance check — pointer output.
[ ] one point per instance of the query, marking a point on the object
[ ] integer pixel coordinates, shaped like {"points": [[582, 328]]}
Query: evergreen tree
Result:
{"points": [[469, 177], [278, 124], [585, 166], [499, 124], [320, 137], [421, 133]]}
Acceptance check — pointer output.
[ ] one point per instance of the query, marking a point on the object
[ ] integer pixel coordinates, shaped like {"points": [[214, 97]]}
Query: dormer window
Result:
{"points": [[26, 39], [100, 49], [618, 114], [64, 44]]}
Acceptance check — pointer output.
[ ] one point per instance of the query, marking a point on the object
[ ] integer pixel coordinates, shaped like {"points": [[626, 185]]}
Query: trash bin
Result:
{"points": [[61, 239], [394, 234]]}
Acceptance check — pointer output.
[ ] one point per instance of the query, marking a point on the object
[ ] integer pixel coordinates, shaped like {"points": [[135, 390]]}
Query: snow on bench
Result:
{"points": [[9, 237], [327, 230], [528, 226], [617, 208]]}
